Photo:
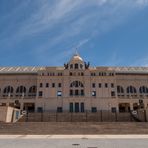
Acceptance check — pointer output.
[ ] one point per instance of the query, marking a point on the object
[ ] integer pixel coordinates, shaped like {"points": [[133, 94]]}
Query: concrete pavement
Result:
{"points": [[73, 136], [73, 141]]}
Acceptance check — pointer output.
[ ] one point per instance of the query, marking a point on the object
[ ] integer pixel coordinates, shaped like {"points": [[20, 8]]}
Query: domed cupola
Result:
{"points": [[76, 63], [76, 58]]}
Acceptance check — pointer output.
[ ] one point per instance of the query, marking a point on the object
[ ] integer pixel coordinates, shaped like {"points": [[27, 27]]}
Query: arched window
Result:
{"points": [[77, 89], [81, 66], [131, 89], [143, 89], [32, 91], [120, 89], [8, 91], [76, 84], [71, 66], [21, 90], [76, 66]]}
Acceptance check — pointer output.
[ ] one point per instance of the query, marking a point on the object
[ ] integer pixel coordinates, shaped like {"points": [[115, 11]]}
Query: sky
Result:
{"points": [[48, 32]]}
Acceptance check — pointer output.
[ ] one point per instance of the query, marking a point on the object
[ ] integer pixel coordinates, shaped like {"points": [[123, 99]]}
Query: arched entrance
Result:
{"points": [[124, 107]]}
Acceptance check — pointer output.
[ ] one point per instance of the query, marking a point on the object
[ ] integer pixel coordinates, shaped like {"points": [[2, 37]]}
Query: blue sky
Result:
{"points": [[46, 32]]}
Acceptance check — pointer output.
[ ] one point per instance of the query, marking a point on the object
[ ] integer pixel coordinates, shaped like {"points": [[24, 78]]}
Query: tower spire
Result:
{"points": [[76, 51]]}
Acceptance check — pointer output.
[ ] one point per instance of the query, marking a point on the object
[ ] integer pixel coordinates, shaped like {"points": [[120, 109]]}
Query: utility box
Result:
{"points": [[9, 114]]}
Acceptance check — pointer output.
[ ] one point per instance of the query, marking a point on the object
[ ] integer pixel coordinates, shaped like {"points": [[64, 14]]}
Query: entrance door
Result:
{"points": [[30, 107], [71, 107], [76, 107], [82, 107]]}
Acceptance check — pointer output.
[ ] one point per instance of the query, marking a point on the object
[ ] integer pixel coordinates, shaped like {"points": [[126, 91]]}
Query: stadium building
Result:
{"points": [[75, 87]]}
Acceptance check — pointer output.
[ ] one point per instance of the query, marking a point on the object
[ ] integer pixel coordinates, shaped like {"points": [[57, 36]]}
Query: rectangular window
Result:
{"points": [[82, 107], [47, 84], [112, 85], [71, 107], [113, 109], [41, 84], [113, 94], [39, 109], [106, 85], [71, 66], [59, 109], [93, 109], [53, 85], [100, 85], [52, 74], [59, 93], [93, 93], [71, 92], [59, 74], [59, 85], [76, 92], [93, 74], [82, 92], [93, 85], [76, 66], [40, 93]]}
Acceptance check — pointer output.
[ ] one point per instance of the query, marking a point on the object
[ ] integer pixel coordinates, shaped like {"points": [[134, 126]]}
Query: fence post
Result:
{"points": [[42, 116], [101, 116], [26, 117], [71, 117], [145, 116], [116, 118], [86, 116], [131, 116], [56, 117]]}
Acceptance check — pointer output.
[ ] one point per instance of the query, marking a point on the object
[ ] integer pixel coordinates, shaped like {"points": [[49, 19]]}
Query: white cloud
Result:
{"points": [[142, 62], [142, 2], [73, 22]]}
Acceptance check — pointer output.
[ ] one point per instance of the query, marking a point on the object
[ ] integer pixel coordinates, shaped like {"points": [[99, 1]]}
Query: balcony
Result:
{"points": [[18, 96], [76, 95], [132, 96]]}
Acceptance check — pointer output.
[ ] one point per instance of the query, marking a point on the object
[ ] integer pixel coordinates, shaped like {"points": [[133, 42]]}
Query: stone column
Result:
{"points": [[131, 106]]}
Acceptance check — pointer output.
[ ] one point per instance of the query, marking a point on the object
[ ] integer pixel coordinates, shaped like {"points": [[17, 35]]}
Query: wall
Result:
{"points": [[3, 113], [8, 114]]}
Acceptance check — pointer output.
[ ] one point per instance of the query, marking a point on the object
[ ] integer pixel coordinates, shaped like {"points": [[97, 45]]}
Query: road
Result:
{"points": [[73, 141]]}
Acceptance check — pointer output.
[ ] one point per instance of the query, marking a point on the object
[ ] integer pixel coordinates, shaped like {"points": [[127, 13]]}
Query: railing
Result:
{"points": [[132, 96], [17, 97], [79, 95], [100, 116]]}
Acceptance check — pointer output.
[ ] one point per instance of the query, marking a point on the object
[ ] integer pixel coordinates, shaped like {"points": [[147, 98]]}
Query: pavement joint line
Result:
{"points": [[74, 136]]}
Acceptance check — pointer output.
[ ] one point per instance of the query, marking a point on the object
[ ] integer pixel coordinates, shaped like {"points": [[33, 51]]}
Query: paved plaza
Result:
{"points": [[51, 141]]}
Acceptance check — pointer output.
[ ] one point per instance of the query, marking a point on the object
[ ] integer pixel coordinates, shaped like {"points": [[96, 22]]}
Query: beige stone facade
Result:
{"points": [[9, 114], [75, 87]]}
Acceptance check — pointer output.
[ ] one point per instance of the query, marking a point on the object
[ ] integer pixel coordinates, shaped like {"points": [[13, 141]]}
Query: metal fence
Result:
{"points": [[100, 116]]}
